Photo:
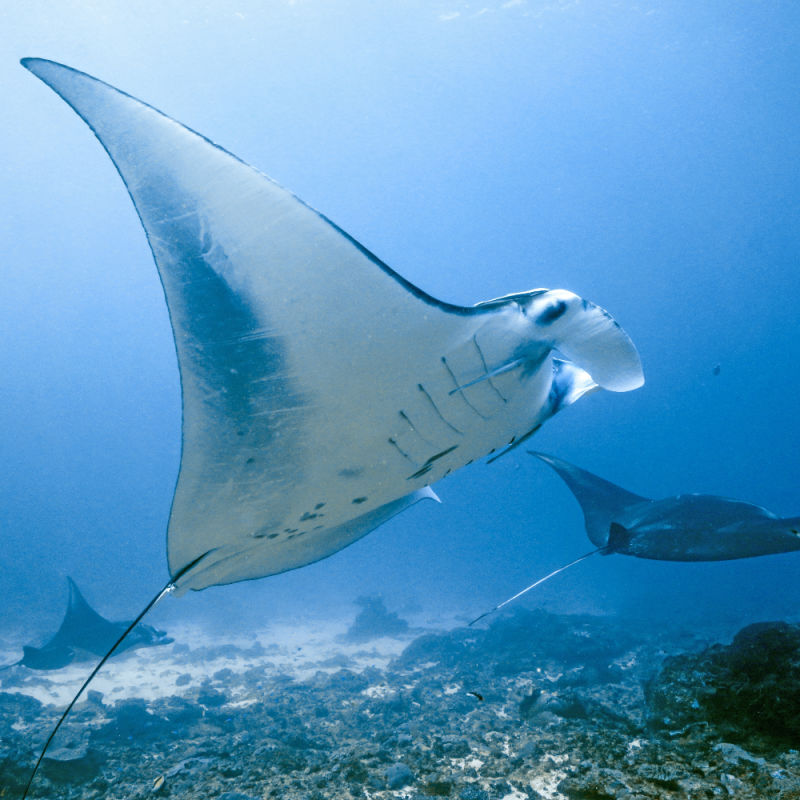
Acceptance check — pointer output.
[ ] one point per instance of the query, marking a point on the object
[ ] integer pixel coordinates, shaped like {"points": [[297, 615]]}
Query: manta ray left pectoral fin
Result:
{"points": [[600, 500], [286, 331]]}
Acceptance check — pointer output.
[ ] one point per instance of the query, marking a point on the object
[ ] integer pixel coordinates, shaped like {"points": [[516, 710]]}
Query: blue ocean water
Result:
{"points": [[643, 155]]}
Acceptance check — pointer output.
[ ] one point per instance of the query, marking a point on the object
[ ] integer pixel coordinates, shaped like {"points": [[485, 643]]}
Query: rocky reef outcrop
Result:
{"points": [[534, 707]]}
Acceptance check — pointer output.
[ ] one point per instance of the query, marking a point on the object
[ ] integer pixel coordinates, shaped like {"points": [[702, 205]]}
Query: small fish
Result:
{"points": [[478, 696], [716, 369], [158, 783]]}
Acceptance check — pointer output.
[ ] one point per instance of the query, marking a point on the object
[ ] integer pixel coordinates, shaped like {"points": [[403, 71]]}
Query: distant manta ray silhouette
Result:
{"points": [[322, 393], [689, 527], [84, 632]]}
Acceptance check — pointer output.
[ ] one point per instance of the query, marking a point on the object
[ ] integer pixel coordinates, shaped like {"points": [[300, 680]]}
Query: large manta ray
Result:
{"points": [[322, 392]]}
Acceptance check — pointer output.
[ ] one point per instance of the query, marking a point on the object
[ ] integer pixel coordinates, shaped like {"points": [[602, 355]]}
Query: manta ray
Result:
{"points": [[84, 633], [688, 527], [322, 392]]}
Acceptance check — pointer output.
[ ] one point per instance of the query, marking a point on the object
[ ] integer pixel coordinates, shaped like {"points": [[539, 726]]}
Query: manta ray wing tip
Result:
{"points": [[45, 69], [31, 62]]}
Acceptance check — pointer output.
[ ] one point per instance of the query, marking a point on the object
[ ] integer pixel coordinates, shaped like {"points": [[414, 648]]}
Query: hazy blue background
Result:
{"points": [[642, 154]]}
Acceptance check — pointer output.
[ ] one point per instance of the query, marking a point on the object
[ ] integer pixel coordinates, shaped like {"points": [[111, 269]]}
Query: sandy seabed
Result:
{"points": [[533, 705]]}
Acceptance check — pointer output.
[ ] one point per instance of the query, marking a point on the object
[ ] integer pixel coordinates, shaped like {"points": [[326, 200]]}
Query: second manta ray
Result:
{"points": [[84, 632], [689, 527]]}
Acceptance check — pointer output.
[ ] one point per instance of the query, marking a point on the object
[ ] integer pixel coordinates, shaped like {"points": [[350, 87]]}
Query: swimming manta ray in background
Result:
{"points": [[322, 392], [688, 527], [84, 632]]}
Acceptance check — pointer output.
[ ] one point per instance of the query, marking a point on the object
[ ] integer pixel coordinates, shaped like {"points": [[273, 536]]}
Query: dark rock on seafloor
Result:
{"points": [[437, 788], [598, 783], [130, 718], [473, 792], [374, 621], [749, 690], [72, 759], [527, 641], [398, 775], [210, 698], [14, 706]]}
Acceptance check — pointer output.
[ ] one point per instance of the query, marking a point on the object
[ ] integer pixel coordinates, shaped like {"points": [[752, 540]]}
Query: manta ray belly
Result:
{"points": [[359, 469]]}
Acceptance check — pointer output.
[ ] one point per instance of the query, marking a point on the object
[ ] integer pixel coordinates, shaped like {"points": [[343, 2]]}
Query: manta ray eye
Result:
{"points": [[552, 313]]}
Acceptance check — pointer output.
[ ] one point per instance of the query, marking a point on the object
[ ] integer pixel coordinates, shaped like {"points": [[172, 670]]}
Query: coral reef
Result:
{"points": [[536, 706]]}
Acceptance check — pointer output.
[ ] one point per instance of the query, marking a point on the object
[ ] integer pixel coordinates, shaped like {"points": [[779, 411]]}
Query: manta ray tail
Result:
{"points": [[600, 500], [88, 680], [167, 589], [537, 583]]}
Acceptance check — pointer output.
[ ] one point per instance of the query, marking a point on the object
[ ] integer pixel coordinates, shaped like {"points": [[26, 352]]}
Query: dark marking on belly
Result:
{"points": [[486, 370], [318, 506], [442, 454], [413, 427], [264, 533], [436, 409], [400, 450], [359, 500], [351, 472], [429, 463], [456, 385], [517, 443]]}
